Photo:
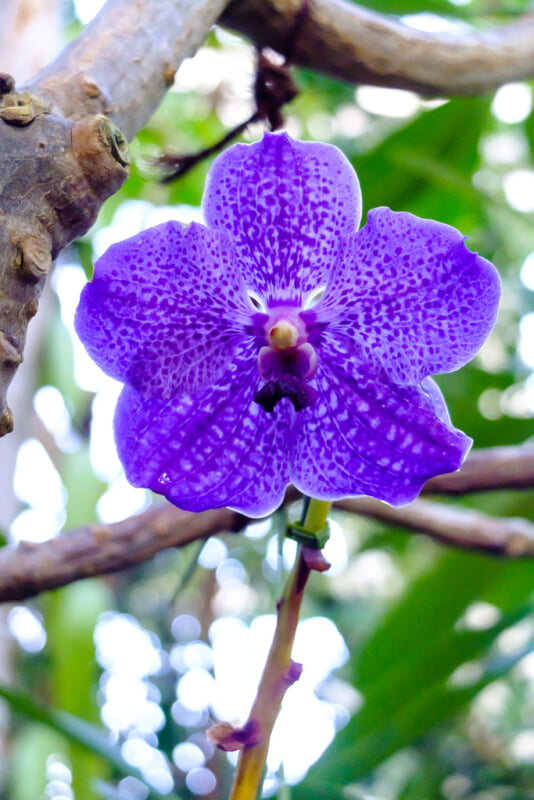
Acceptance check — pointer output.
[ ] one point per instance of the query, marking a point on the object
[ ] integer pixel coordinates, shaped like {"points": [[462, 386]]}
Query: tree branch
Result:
{"points": [[125, 59], [359, 46], [487, 469], [96, 549], [459, 527], [61, 152], [28, 569]]}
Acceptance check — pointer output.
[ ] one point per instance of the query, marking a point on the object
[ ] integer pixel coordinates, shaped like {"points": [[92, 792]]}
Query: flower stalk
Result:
{"points": [[280, 670]]}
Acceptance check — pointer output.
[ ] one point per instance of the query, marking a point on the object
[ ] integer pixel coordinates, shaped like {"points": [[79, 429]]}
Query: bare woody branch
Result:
{"points": [[484, 470], [28, 569], [355, 45], [125, 59], [63, 144], [458, 527], [31, 568]]}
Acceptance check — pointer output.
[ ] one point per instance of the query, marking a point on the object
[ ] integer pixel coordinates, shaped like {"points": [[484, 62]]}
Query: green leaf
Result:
{"points": [[88, 736], [404, 668], [425, 166]]}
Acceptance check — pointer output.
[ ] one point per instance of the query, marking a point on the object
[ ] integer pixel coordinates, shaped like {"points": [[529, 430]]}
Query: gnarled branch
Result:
{"points": [[28, 569], [61, 150], [355, 45]]}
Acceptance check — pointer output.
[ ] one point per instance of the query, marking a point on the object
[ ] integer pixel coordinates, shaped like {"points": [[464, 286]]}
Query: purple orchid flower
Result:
{"points": [[281, 344]]}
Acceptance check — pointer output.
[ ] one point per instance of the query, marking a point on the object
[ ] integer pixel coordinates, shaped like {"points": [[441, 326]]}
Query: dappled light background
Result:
{"points": [[418, 661]]}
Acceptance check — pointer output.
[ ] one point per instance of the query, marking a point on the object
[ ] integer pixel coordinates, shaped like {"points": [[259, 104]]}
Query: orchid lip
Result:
{"points": [[287, 361], [299, 392]]}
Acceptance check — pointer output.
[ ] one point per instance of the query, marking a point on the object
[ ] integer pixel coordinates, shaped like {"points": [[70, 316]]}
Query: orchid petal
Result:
{"points": [[284, 204], [412, 294], [207, 450], [368, 436], [165, 310]]}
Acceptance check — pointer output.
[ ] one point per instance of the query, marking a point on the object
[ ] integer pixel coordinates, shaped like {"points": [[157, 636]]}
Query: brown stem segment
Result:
{"points": [[277, 676], [279, 671]]}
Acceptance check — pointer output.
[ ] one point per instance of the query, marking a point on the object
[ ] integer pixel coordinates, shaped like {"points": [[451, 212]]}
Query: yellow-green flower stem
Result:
{"points": [[316, 515], [276, 674]]}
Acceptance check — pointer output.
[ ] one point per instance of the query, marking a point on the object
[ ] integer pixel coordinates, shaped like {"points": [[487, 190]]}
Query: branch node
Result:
{"points": [[6, 422], [88, 85], [9, 352], [30, 308], [230, 739], [7, 83], [94, 140], [168, 74], [21, 108], [293, 673], [33, 256]]}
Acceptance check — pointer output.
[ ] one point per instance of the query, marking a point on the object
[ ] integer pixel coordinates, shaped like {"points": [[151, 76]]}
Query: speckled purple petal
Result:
{"points": [[165, 310], [412, 294], [285, 204], [215, 448], [368, 436]]}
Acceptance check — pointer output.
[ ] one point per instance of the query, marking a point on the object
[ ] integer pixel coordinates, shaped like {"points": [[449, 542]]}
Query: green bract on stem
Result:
{"points": [[280, 671]]}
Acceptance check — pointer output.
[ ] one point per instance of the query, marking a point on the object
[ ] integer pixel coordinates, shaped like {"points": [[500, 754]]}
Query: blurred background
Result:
{"points": [[418, 659]]}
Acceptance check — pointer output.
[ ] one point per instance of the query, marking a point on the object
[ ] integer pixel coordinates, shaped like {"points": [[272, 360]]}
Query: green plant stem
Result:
{"points": [[277, 674]]}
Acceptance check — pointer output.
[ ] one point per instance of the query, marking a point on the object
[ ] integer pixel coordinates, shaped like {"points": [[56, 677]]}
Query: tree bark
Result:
{"points": [[352, 44], [62, 152]]}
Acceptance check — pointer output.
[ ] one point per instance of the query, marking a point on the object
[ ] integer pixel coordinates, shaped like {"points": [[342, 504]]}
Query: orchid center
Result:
{"points": [[286, 362]]}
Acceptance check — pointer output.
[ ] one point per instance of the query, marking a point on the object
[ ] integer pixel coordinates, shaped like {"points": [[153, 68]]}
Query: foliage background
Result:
{"points": [[436, 695]]}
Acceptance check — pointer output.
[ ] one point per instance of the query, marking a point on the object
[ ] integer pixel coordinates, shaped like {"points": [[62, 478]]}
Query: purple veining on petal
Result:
{"points": [[367, 435], [166, 309], [412, 294], [285, 204], [210, 449]]}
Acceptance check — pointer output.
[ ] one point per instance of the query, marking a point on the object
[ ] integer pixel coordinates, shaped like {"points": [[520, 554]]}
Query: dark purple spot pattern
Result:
{"points": [[166, 309], [213, 448], [376, 438], [412, 294], [168, 313], [284, 204]]}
